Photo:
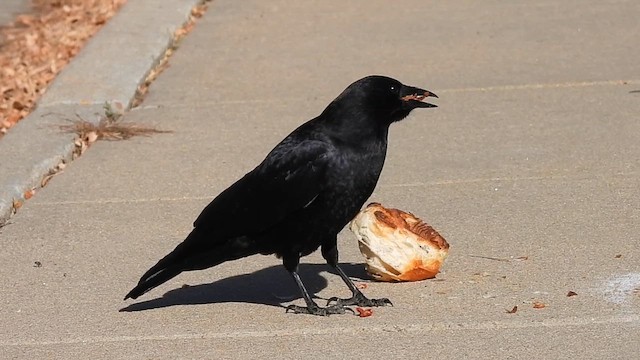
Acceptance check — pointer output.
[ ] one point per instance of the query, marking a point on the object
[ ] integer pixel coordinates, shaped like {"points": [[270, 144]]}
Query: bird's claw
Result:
{"points": [[317, 310], [359, 300]]}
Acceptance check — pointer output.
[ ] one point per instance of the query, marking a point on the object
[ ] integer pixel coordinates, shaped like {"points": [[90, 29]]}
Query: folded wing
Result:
{"points": [[289, 179]]}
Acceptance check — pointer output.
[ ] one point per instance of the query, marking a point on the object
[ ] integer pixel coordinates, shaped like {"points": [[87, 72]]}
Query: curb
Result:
{"points": [[108, 69]]}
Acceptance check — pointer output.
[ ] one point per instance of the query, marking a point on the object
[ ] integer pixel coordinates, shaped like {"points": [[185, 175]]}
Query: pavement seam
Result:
{"points": [[543, 86], [381, 186], [354, 330], [532, 86]]}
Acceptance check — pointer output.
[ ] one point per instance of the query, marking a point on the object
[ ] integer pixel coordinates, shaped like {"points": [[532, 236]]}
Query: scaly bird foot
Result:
{"points": [[359, 300], [317, 310]]}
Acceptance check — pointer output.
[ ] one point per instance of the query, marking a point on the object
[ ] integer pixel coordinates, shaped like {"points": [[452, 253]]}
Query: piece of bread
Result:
{"points": [[397, 245]]}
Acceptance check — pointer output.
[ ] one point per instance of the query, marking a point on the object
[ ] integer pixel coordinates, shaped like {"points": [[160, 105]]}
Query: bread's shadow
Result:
{"points": [[270, 286]]}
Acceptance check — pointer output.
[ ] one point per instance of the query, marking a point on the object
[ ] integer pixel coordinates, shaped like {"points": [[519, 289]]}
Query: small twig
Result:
{"points": [[489, 258]]}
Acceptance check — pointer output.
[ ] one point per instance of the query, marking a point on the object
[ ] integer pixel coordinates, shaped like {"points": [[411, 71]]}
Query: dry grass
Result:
{"points": [[109, 127]]}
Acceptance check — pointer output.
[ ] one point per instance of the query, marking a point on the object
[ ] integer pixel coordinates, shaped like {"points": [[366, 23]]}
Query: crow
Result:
{"points": [[302, 194]]}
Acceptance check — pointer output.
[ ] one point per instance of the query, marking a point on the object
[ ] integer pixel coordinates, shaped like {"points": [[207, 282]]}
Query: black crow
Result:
{"points": [[303, 193]]}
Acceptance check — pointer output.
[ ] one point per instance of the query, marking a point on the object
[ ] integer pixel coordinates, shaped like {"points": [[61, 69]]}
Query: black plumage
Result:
{"points": [[303, 193]]}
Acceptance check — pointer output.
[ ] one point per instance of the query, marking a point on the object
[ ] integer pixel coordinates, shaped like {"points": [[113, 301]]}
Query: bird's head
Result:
{"points": [[385, 98]]}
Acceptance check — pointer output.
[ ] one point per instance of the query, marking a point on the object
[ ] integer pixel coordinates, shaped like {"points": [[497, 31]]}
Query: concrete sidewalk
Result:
{"points": [[530, 168]]}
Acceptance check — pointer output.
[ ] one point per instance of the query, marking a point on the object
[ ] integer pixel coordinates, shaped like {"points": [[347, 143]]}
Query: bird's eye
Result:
{"points": [[393, 88]]}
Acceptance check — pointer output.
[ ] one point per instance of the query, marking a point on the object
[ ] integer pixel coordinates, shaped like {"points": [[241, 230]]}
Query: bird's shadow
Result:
{"points": [[270, 286]]}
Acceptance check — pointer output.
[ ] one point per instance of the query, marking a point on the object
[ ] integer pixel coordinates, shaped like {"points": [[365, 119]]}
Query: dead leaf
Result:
{"points": [[618, 256], [362, 312], [29, 194], [571, 293], [46, 179], [513, 310], [361, 286], [91, 137], [198, 10], [539, 305], [18, 105], [17, 204]]}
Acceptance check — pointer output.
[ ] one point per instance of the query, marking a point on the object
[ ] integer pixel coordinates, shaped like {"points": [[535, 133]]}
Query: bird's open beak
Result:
{"points": [[416, 97]]}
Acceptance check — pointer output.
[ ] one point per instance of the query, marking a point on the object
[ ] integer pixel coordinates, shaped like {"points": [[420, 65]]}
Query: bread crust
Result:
{"points": [[397, 245]]}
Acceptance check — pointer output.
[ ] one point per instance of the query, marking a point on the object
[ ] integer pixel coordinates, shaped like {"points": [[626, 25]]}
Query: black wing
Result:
{"points": [[289, 178]]}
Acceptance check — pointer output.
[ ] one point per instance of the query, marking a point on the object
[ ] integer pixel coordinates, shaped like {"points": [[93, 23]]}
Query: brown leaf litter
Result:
{"points": [[37, 46]]}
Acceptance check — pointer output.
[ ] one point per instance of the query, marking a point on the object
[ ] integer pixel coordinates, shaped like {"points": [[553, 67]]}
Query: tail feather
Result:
{"points": [[190, 255], [152, 281], [164, 270]]}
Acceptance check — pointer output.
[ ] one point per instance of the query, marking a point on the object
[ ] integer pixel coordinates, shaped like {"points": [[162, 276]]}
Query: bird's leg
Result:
{"points": [[312, 308], [330, 253], [358, 297]]}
